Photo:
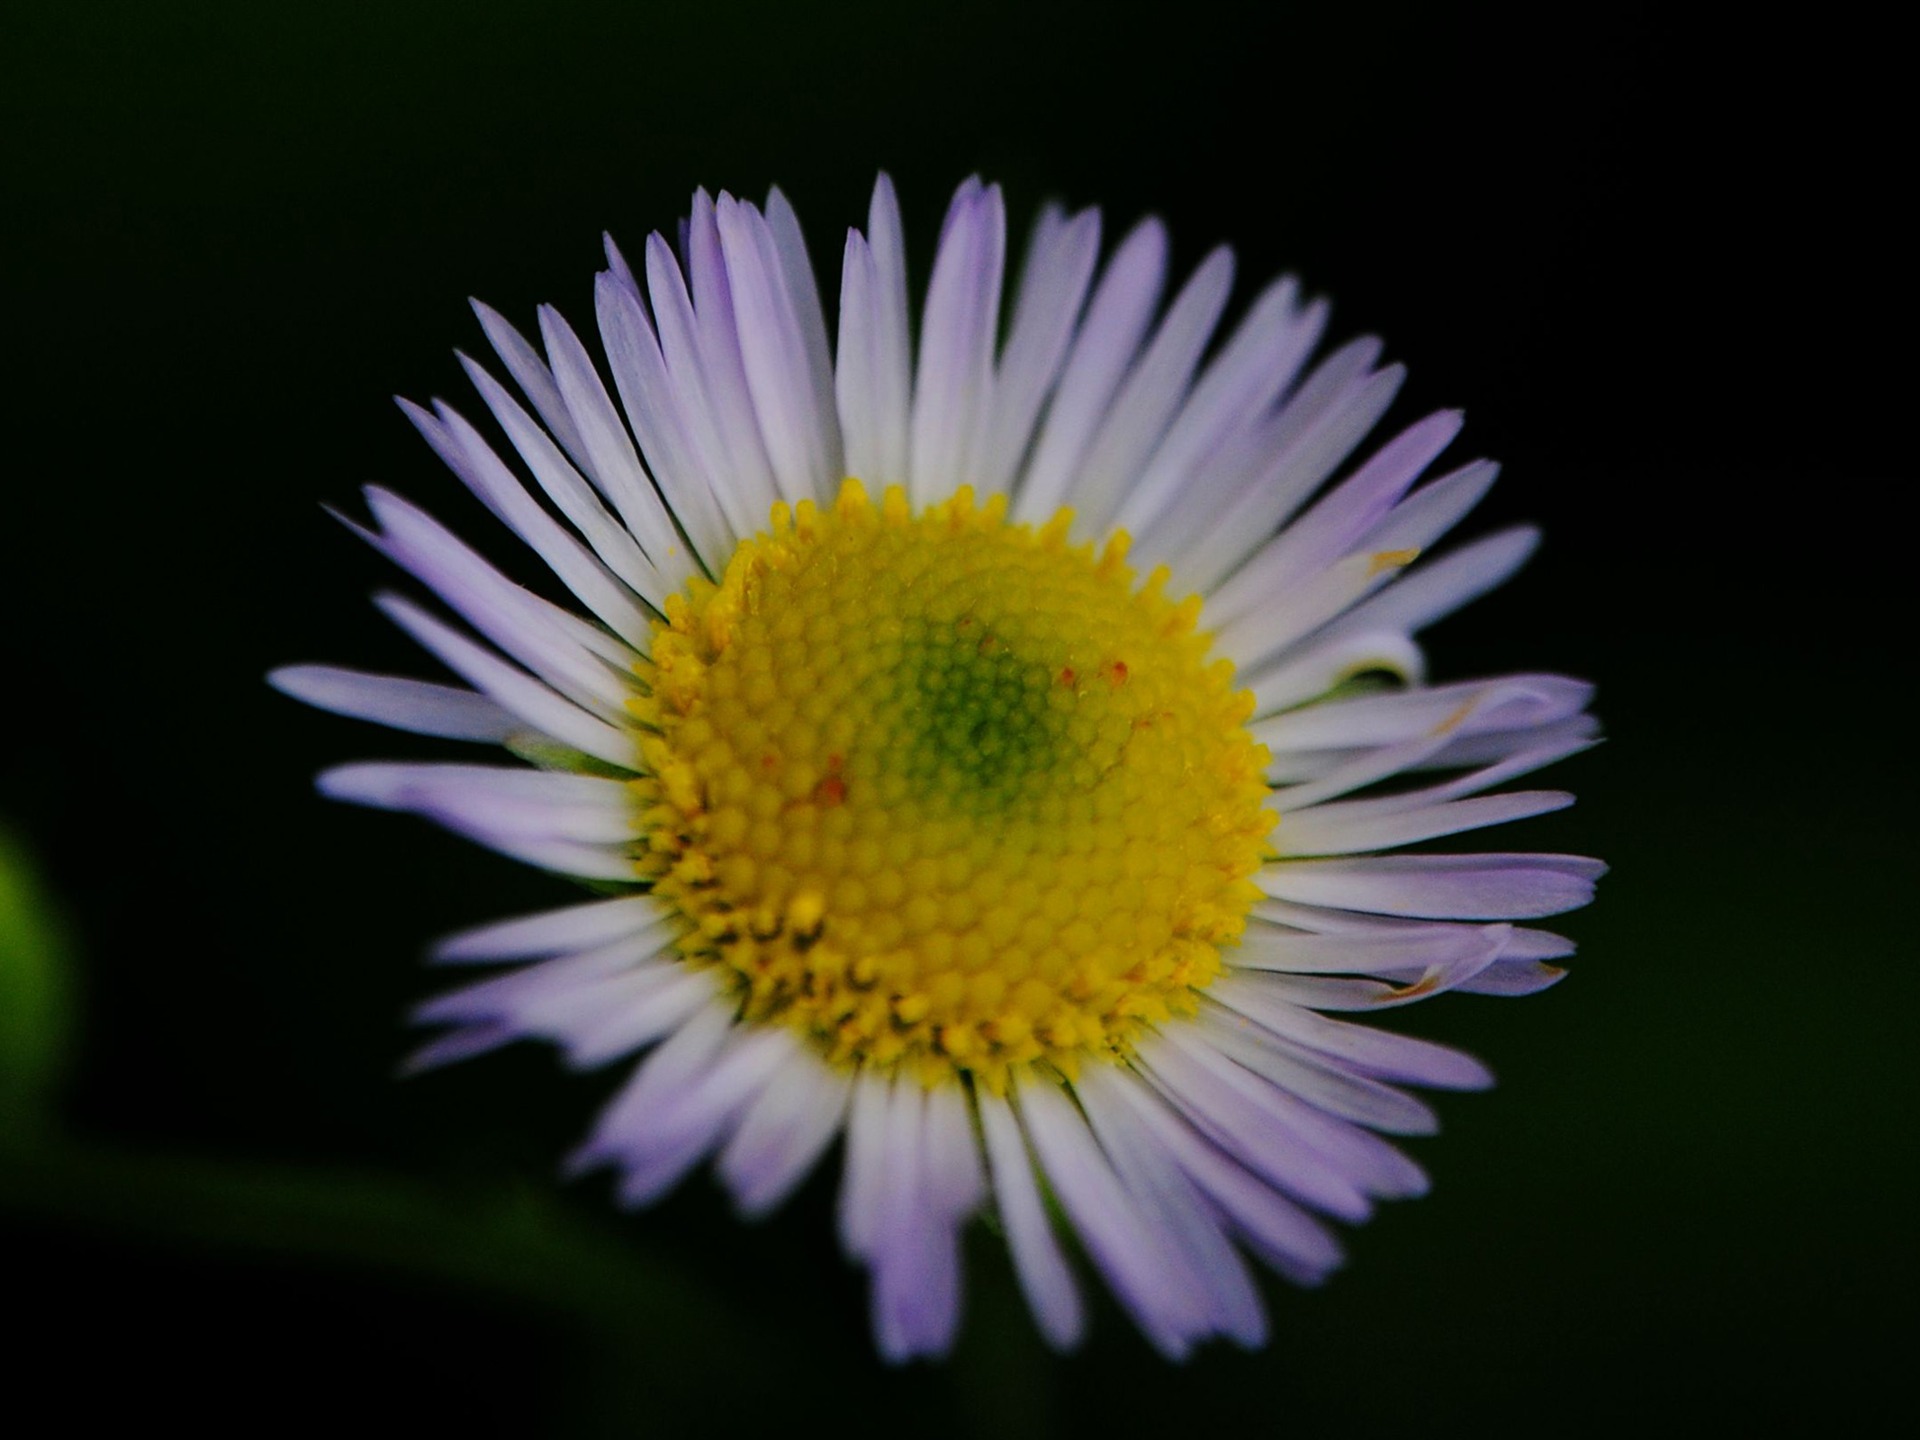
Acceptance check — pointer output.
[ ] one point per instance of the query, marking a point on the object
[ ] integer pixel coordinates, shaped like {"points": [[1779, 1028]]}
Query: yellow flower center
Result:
{"points": [[945, 792]]}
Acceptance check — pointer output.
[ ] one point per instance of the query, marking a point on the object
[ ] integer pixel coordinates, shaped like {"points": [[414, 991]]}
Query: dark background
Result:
{"points": [[1659, 264]]}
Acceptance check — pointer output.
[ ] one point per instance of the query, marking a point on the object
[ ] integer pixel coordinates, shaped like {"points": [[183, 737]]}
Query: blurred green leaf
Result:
{"points": [[36, 992]]}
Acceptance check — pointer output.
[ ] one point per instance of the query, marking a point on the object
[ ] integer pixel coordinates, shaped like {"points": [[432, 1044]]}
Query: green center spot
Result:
{"points": [[978, 728]]}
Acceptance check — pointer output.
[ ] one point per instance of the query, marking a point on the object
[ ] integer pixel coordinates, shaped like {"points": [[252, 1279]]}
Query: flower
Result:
{"points": [[1011, 809]]}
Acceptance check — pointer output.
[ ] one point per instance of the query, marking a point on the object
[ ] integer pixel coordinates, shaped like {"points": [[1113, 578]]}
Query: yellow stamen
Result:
{"points": [[946, 793]]}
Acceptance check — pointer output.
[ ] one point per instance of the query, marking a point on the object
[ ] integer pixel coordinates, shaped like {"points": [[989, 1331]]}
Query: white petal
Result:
{"points": [[418, 706], [1522, 977], [1464, 707], [862, 1185], [1146, 1281], [564, 485], [915, 1259], [1377, 1052], [1520, 970], [599, 1005], [1319, 1080], [1117, 317], [555, 932], [956, 1180], [855, 381], [1166, 1199], [659, 1082], [513, 689], [784, 1133], [722, 366], [1317, 668], [536, 382], [733, 462], [1362, 1160], [955, 373], [555, 830], [1565, 737], [612, 464], [773, 352], [892, 348], [472, 459], [803, 295], [1262, 1127], [1261, 637], [1153, 390], [605, 1028], [1249, 374], [578, 807], [1266, 946], [1044, 1277], [1290, 456], [653, 409], [1525, 944], [1330, 830], [1367, 767], [457, 1045], [1434, 509], [525, 626], [512, 995], [1053, 283], [1439, 887], [1334, 526], [684, 1127], [1441, 586], [1283, 1234]]}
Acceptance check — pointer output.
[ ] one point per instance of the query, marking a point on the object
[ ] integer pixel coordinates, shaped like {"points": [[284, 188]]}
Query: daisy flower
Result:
{"points": [[985, 748]]}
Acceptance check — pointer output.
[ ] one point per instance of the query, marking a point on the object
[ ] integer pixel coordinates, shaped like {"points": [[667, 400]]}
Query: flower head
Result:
{"points": [[989, 744]]}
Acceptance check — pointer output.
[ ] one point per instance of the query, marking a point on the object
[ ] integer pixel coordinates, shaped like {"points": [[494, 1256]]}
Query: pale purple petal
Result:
{"points": [[1250, 373], [803, 451], [514, 690], [1165, 1198], [529, 629], [892, 347], [1439, 587], [784, 1133], [1145, 1280], [733, 461], [1053, 283], [1044, 1277], [418, 706], [563, 484], [535, 380], [555, 932], [1336, 525], [721, 365], [803, 296], [653, 409], [1287, 1237], [1380, 1053], [1290, 456], [1439, 887], [612, 464], [580, 570], [954, 379], [1151, 393], [1117, 317]]}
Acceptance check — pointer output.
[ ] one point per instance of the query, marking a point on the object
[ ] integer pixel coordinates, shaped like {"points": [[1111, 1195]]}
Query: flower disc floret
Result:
{"points": [[947, 793]]}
